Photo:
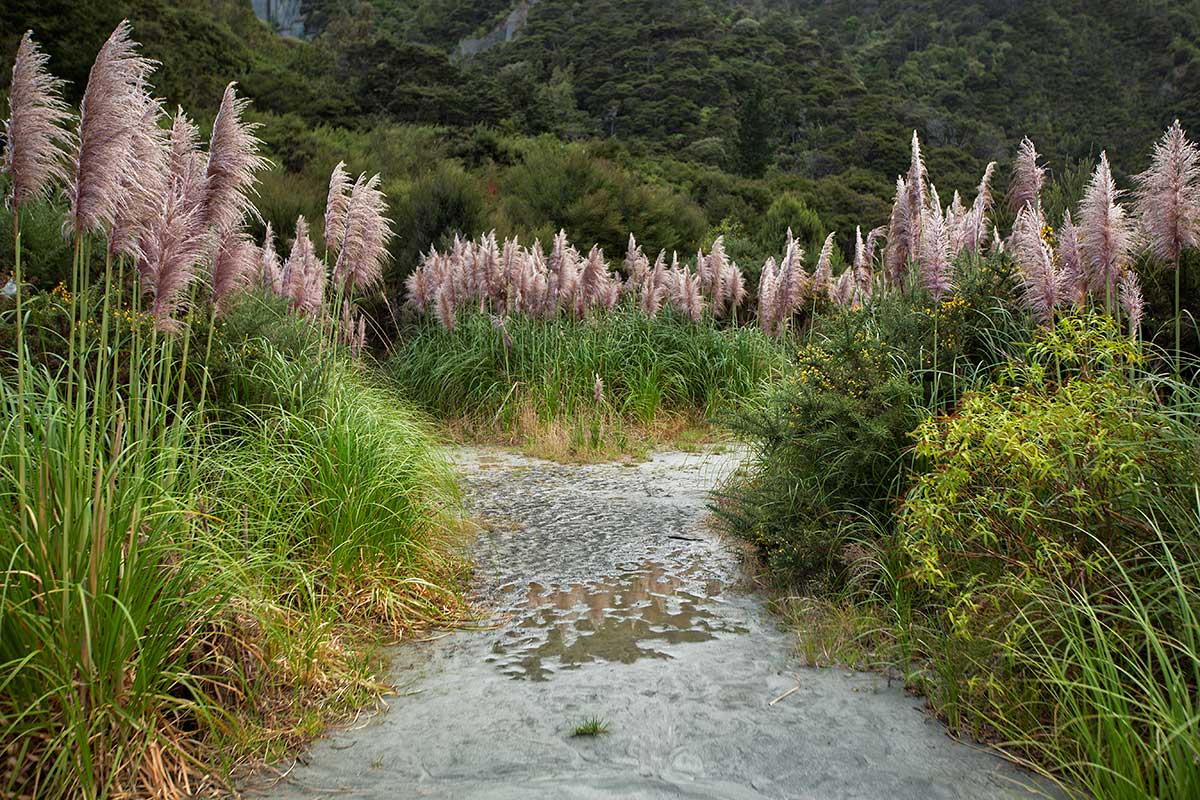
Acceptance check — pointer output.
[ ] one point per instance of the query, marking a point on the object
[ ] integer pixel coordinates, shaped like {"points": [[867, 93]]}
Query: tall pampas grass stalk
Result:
{"points": [[1028, 178], [35, 141], [110, 112], [233, 165], [1108, 236], [364, 245], [1167, 202]]}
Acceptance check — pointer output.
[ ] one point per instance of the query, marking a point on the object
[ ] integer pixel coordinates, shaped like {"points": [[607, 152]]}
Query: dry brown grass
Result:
{"points": [[586, 440]]}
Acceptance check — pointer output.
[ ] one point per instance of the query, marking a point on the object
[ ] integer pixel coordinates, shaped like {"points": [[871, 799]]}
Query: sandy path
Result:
{"points": [[615, 601]]}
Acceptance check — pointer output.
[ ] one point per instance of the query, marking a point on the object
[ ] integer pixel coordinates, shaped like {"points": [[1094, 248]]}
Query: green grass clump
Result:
{"points": [[206, 534], [592, 726], [621, 367]]}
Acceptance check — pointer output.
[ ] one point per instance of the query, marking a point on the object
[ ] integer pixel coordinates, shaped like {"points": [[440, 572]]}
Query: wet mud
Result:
{"points": [[610, 598]]}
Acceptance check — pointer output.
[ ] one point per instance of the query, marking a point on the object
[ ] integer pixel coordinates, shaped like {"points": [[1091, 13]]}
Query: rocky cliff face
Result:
{"points": [[284, 16], [504, 32]]}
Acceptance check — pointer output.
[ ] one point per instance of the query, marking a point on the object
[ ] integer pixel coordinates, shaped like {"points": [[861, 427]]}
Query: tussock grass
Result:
{"points": [[529, 376], [189, 588]]}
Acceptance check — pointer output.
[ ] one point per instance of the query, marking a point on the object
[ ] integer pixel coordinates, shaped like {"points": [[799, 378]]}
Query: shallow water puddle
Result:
{"points": [[639, 613]]}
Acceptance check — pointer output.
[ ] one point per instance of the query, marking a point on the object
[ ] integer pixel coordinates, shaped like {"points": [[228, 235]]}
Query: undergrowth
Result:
{"points": [[613, 383], [206, 536]]}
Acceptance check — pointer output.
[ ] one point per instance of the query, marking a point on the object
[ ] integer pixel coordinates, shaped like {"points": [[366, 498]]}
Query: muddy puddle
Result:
{"points": [[610, 598], [638, 613]]}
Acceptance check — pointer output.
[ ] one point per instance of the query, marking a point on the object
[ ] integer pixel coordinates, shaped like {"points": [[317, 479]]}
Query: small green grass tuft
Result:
{"points": [[592, 726]]}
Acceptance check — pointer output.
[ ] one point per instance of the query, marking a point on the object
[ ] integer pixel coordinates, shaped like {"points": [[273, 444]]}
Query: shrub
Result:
{"points": [[827, 452], [830, 446], [1036, 476]]}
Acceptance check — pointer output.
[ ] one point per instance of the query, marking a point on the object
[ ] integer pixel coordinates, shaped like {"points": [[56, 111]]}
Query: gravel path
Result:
{"points": [[613, 600]]}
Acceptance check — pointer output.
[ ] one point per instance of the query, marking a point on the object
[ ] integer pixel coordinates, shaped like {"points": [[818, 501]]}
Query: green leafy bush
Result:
{"points": [[1036, 477], [831, 444]]}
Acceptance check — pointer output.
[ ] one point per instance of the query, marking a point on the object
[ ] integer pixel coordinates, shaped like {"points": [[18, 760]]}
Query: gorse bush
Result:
{"points": [[827, 452]]}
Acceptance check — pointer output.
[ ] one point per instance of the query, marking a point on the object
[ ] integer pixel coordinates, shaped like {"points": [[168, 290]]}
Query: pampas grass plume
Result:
{"points": [[35, 135]]}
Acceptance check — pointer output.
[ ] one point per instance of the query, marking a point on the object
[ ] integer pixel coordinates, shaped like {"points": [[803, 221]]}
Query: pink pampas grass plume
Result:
{"points": [[270, 270], [234, 265], [170, 251], [111, 108], [145, 189], [934, 262], [1028, 177], [842, 291], [769, 306], [314, 287], [36, 140], [976, 224], [862, 269], [716, 263], [636, 264], [915, 183], [687, 296], [1041, 281], [364, 250], [188, 165], [233, 164], [1107, 237], [298, 265], [336, 203], [1070, 262], [957, 219], [734, 284], [444, 309], [591, 281], [1167, 200], [822, 279], [902, 233], [1131, 300], [794, 281], [417, 287]]}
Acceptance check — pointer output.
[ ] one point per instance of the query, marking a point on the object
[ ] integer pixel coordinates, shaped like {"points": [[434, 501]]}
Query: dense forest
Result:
{"points": [[680, 119]]}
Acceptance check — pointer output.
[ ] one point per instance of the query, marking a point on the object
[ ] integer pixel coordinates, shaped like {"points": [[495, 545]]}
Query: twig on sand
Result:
{"points": [[785, 694]]}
